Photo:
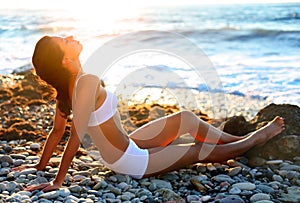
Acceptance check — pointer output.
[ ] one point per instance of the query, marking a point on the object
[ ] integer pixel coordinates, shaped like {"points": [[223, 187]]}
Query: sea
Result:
{"points": [[253, 50]]}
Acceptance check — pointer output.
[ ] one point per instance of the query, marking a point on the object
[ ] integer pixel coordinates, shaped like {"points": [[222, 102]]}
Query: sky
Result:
{"points": [[72, 4]]}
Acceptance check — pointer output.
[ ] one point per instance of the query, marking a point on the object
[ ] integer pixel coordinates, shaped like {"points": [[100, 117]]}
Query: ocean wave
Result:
{"points": [[23, 68], [265, 32], [241, 94], [245, 34], [292, 37], [295, 82], [26, 30], [54, 29], [255, 31], [291, 16]]}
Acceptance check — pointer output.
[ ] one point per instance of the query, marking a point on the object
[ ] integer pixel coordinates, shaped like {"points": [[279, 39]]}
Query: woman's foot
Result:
{"points": [[269, 131]]}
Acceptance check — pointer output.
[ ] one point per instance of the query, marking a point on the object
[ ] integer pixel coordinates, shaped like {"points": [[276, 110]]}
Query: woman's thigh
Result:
{"points": [[160, 132]]}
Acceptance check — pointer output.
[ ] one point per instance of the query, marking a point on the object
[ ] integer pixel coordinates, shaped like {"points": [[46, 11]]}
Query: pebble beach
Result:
{"points": [[26, 118]]}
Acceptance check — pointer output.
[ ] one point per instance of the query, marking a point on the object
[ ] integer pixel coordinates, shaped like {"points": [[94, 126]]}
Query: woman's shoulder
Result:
{"points": [[87, 77], [87, 80]]}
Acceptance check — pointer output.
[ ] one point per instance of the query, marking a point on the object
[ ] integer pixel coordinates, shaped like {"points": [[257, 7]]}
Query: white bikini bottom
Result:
{"points": [[133, 162]]}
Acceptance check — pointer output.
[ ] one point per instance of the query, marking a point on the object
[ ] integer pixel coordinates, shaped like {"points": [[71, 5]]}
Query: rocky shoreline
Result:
{"points": [[26, 117]]}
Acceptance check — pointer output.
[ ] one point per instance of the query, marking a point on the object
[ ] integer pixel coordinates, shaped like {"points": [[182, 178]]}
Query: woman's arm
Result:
{"points": [[83, 105], [52, 141], [69, 153]]}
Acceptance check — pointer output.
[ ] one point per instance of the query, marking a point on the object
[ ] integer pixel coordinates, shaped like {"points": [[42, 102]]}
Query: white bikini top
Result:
{"points": [[105, 111]]}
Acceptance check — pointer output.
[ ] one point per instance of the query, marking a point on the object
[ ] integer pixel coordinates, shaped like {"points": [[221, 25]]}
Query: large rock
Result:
{"points": [[284, 146]]}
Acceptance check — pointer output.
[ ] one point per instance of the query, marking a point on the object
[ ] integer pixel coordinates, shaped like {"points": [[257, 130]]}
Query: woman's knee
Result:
{"points": [[189, 121], [187, 115], [182, 117]]}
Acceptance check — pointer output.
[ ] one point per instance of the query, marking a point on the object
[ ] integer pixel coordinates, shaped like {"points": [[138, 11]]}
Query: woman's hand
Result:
{"points": [[45, 187], [23, 167]]}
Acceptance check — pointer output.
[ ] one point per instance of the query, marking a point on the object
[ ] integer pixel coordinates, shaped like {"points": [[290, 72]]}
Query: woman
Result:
{"points": [[56, 61]]}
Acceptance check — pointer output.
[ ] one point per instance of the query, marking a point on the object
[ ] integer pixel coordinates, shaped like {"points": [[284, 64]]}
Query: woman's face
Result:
{"points": [[71, 48]]}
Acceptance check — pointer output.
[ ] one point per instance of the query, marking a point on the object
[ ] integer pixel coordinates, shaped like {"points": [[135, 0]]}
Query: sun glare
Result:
{"points": [[107, 10], [108, 15]]}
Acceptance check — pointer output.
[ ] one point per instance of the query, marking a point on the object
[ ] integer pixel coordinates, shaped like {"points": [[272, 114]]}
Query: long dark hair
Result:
{"points": [[47, 61]]}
